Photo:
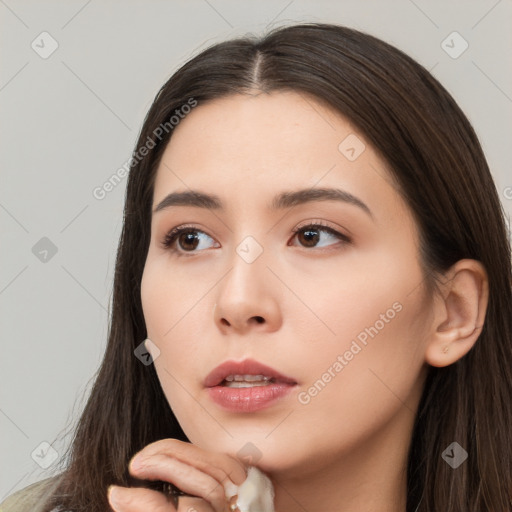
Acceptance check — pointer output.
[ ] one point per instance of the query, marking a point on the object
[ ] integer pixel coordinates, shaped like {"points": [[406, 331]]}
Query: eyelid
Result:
{"points": [[336, 231]]}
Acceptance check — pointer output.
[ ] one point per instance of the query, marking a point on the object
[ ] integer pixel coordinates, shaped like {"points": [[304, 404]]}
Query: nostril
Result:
{"points": [[258, 319]]}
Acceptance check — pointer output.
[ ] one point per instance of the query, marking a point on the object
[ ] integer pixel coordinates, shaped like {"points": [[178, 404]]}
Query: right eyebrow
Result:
{"points": [[190, 198]]}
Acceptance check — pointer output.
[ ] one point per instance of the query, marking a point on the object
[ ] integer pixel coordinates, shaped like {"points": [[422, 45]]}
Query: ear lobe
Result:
{"points": [[459, 313]]}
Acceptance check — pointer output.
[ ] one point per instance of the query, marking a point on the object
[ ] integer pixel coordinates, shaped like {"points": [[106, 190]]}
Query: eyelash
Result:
{"points": [[173, 235]]}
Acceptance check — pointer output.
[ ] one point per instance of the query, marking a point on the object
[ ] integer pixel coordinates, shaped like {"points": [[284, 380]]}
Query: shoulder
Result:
{"points": [[29, 498]]}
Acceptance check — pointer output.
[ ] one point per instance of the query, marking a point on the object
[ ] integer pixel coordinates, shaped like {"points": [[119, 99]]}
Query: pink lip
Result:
{"points": [[245, 367], [247, 399]]}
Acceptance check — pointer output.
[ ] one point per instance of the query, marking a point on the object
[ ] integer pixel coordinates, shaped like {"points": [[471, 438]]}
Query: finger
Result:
{"points": [[219, 465], [186, 477], [188, 504], [138, 499]]}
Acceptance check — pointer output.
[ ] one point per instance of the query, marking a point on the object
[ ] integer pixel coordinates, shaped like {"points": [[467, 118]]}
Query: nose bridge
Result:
{"points": [[246, 292], [247, 278]]}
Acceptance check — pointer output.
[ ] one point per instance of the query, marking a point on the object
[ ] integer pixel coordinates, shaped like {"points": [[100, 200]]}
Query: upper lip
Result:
{"points": [[245, 367]]}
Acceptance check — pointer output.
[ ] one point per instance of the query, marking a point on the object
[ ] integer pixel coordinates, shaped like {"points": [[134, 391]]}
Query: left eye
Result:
{"points": [[310, 235]]}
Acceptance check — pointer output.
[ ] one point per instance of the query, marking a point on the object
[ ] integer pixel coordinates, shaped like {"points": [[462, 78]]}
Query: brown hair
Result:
{"points": [[435, 156]]}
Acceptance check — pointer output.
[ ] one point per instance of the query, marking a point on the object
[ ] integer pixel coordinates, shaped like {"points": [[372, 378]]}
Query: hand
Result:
{"points": [[193, 470]]}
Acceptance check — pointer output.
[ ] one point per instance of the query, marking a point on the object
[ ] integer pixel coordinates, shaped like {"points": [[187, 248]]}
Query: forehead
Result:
{"points": [[259, 144], [239, 124]]}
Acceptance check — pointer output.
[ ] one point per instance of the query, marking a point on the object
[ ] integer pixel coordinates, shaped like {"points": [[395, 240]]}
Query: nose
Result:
{"points": [[247, 299]]}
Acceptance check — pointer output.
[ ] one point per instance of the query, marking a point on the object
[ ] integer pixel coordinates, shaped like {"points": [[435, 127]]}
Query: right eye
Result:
{"points": [[187, 238]]}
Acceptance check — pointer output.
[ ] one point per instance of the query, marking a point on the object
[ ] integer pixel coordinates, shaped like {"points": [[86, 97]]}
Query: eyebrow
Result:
{"points": [[281, 201]]}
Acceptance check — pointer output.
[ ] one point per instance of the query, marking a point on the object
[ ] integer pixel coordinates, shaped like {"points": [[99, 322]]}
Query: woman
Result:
{"points": [[316, 256]]}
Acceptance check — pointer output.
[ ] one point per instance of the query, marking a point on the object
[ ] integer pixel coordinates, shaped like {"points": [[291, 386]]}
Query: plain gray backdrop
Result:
{"points": [[77, 78]]}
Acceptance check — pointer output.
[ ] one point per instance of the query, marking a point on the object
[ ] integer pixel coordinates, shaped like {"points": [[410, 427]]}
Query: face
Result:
{"points": [[327, 290]]}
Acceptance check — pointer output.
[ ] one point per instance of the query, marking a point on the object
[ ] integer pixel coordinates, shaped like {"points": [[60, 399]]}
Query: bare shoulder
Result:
{"points": [[30, 498]]}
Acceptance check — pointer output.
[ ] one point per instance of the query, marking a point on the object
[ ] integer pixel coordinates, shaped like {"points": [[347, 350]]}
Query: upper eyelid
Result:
{"points": [[338, 231], [314, 223]]}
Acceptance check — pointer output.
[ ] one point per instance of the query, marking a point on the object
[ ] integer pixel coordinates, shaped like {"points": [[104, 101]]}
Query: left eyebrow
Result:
{"points": [[283, 200], [289, 199]]}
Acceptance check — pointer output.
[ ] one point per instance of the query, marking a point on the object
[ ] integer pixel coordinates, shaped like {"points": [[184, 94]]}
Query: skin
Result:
{"points": [[346, 448]]}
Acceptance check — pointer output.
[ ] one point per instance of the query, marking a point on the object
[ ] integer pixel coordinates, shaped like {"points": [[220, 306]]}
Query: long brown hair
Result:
{"points": [[436, 158]]}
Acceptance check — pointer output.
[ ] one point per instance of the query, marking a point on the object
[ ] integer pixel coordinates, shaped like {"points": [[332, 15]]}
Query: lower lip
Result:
{"points": [[248, 399]]}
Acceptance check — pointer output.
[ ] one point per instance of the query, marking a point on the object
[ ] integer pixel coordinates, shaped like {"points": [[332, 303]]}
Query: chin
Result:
{"points": [[271, 456]]}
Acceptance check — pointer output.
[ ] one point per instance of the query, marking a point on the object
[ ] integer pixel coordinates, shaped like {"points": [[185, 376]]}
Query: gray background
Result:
{"points": [[71, 120]]}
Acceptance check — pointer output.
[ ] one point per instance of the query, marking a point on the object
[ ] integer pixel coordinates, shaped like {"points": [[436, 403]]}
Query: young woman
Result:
{"points": [[313, 279]]}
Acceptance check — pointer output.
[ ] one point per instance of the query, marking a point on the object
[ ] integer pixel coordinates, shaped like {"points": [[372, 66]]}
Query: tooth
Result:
{"points": [[254, 378], [246, 378], [238, 384]]}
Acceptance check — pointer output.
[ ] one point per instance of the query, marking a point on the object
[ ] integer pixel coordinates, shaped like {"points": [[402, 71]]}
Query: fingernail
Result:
{"points": [[137, 463], [230, 489], [114, 495]]}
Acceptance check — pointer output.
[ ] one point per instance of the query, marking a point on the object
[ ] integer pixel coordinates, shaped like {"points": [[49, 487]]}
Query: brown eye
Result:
{"points": [[186, 239], [311, 236], [308, 237]]}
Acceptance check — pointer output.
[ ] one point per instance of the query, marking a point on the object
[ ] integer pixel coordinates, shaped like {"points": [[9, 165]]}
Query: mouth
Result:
{"points": [[245, 374], [247, 386]]}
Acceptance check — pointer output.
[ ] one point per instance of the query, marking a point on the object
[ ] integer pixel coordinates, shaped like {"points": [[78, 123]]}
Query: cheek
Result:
{"points": [[167, 297], [343, 296], [155, 298], [168, 305], [354, 388], [369, 347], [172, 303]]}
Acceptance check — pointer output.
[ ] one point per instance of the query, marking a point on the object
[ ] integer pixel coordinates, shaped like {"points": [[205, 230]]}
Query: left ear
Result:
{"points": [[459, 313]]}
